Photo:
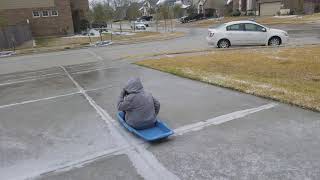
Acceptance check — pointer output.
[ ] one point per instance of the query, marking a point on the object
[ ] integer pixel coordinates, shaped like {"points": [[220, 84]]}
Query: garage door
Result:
{"points": [[269, 9]]}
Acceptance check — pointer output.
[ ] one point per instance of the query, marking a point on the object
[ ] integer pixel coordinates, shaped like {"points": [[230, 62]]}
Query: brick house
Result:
{"points": [[210, 8], [46, 17], [273, 7], [311, 6], [246, 7]]}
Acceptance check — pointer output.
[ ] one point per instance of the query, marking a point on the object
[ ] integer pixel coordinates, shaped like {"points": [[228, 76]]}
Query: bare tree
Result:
{"points": [[3, 24], [164, 11], [133, 11], [177, 11]]}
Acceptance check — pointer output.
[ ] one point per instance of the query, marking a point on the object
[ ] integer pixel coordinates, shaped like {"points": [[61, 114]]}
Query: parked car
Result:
{"points": [[100, 26], [191, 17], [245, 33], [146, 18], [138, 26], [97, 25], [142, 21]]}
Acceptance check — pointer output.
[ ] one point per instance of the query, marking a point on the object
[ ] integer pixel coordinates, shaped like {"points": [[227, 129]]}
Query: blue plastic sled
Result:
{"points": [[160, 131]]}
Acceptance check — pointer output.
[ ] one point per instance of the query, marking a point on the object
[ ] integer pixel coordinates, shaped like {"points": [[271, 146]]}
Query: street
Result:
{"points": [[58, 120]]}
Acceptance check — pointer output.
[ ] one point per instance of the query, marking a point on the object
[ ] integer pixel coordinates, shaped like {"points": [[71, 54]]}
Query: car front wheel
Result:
{"points": [[275, 41], [224, 43]]}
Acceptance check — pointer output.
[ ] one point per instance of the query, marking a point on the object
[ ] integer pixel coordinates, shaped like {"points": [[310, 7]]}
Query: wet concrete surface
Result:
{"points": [[38, 136], [49, 134], [30, 75], [303, 34], [43, 61], [104, 78], [117, 167], [177, 96], [49, 130], [36, 89], [266, 146]]}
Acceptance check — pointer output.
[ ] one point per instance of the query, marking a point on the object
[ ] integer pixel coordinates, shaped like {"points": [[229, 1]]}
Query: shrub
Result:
{"points": [[84, 25], [236, 13], [317, 9], [251, 13], [292, 12]]}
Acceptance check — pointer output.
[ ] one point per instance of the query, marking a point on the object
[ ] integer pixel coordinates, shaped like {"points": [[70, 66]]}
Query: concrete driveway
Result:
{"points": [[58, 122]]}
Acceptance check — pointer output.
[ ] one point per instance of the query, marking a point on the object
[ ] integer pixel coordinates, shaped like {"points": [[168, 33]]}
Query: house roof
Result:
{"points": [[165, 1], [213, 3]]}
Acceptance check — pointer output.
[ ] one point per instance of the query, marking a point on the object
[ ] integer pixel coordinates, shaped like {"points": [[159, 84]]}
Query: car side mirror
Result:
{"points": [[264, 30]]}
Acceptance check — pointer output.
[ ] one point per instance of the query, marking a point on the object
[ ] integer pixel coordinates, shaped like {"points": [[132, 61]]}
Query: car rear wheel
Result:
{"points": [[224, 43], [275, 41]]}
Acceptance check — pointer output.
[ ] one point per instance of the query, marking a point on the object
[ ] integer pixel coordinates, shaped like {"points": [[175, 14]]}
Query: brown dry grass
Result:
{"points": [[62, 41], [49, 44], [261, 20], [290, 75]]}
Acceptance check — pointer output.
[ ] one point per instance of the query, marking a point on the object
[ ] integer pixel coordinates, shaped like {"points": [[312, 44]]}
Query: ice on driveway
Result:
{"points": [[37, 137]]}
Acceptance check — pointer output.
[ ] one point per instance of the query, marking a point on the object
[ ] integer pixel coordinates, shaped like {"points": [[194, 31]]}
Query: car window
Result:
{"points": [[235, 27], [250, 27], [260, 28], [253, 27]]}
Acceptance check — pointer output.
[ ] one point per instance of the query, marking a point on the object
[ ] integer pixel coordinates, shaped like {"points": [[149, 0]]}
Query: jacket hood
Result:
{"points": [[134, 85]]}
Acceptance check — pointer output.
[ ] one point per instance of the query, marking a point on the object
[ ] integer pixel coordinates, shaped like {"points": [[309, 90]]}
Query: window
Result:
{"points": [[35, 14], [253, 27], [250, 27], [235, 27], [54, 13], [45, 13], [260, 28]]}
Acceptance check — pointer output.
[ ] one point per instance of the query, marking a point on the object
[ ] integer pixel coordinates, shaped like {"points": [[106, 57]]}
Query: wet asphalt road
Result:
{"points": [[58, 122]]}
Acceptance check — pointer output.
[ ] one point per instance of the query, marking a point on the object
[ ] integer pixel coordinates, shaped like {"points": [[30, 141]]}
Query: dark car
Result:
{"points": [[146, 18], [191, 17], [98, 25]]}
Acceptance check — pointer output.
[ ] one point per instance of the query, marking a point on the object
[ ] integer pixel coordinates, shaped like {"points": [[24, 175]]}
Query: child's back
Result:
{"points": [[139, 106]]}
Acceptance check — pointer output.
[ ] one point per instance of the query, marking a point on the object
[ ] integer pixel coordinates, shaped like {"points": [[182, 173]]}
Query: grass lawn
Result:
{"points": [[290, 75], [48, 44], [268, 20], [138, 36]]}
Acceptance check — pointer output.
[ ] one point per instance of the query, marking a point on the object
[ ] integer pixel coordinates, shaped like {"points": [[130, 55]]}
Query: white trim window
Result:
{"points": [[54, 13], [35, 14], [45, 13]]}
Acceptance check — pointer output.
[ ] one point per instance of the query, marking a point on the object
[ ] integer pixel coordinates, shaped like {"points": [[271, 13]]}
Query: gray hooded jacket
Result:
{"points": [[140, 107]]}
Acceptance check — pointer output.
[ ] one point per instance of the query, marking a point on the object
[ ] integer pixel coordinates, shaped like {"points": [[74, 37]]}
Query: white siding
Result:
{"points": [[270, 9]]}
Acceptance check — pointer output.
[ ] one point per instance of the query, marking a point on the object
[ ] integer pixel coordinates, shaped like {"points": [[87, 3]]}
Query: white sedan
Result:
{"points": [[138, 26], [142, 21], [245, 33]]}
